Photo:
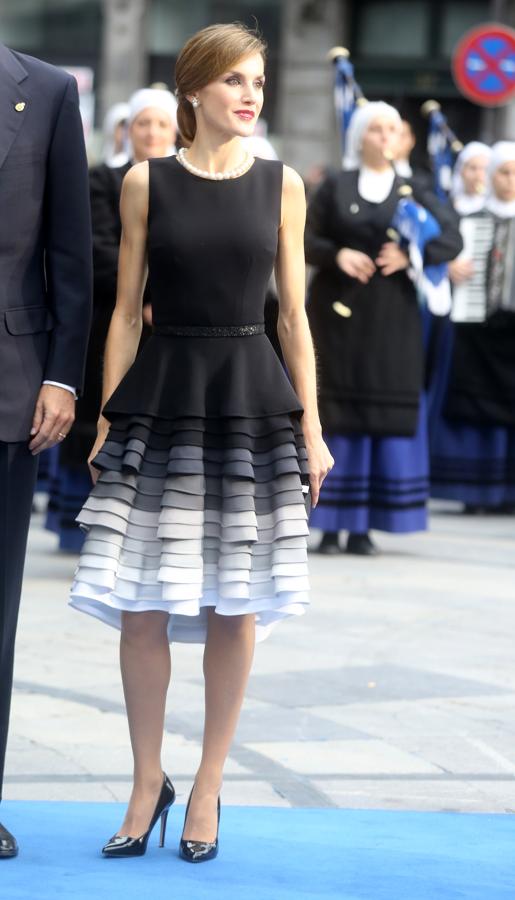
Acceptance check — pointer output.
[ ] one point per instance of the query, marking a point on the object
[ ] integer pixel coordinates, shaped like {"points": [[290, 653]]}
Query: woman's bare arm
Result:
{"points": [[293, 328]]}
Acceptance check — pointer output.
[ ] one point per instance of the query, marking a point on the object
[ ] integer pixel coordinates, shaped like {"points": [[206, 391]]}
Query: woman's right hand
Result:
{"points": [[461, 270], [355, 264], [103, 426]]}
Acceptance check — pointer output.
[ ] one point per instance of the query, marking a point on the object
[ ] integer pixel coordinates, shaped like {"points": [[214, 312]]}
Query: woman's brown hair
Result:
{"points": [[207, 55]]}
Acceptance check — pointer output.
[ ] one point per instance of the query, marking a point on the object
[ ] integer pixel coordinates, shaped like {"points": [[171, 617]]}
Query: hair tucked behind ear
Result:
{"points": [[207, 55], [186, 120]]}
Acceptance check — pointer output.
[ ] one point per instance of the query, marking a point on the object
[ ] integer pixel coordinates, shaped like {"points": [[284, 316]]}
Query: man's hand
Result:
{"points": [[53, 418]]}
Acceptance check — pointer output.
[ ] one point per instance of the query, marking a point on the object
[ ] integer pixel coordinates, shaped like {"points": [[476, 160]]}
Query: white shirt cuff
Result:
{"points": [[66, 387]]}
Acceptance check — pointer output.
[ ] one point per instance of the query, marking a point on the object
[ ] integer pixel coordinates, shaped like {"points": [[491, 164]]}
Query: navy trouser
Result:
{"points": [[18, 470]]}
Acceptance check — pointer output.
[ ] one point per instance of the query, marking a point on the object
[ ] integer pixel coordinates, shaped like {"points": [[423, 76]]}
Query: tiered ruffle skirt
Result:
{"points": [[190, 513]]}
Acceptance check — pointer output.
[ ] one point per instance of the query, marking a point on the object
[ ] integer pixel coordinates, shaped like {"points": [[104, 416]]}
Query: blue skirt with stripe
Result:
{"points": [[469, 463], [376, 482]]}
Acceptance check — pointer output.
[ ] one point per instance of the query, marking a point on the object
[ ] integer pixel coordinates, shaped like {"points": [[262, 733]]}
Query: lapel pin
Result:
{"points": [[19, 107], [354, 208]]}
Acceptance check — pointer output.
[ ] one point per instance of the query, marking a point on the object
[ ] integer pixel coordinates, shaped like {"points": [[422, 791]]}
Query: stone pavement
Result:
{"points": [[396, 690]]}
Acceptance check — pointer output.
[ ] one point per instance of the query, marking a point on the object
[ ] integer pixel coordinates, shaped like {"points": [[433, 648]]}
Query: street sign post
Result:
{"points": [[483, 65]]}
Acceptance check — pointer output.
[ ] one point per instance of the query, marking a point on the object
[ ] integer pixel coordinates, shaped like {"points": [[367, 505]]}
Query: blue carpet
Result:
{"points": [[266, 854]]}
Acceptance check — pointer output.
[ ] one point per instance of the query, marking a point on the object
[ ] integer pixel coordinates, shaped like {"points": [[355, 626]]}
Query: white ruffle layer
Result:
{"points": [[182, 560], [188, 618]]}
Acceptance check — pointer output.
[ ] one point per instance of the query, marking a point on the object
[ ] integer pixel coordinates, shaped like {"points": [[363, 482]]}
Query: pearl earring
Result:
{"points": [[195, 102]]}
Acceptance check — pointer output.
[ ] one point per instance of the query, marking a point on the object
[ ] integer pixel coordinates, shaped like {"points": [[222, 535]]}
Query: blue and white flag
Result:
{"points": [[415, 227], [346, 93], [441, 154]]}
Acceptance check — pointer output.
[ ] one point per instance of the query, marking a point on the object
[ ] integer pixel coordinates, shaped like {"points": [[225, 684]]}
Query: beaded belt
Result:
{"points": [[210, 331]]}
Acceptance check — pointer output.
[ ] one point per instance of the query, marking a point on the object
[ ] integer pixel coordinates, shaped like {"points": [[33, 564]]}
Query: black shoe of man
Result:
{"points": [[8, 845]]}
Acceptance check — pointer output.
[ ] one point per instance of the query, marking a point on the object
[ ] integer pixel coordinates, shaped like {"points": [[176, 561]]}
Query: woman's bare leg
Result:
{"points": [[227, 662], [145, 666]]}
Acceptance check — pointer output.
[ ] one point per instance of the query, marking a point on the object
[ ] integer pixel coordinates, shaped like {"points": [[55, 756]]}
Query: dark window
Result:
{"points": [[456, 18], [400, 28], [61, 31]]}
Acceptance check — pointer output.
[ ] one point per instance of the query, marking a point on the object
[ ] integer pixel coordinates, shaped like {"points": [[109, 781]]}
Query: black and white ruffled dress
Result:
{"points": [[199, 502]]}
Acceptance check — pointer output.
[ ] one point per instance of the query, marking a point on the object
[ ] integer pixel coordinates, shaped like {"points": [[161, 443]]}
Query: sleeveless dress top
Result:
{"points": [[199, 500]]}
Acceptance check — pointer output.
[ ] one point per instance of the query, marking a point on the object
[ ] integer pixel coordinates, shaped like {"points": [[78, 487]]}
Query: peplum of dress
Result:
{"points": [[199, 502]]}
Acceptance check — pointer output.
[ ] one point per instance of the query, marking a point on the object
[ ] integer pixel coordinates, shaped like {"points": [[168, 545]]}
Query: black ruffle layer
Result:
{"points": [[174, 377]]}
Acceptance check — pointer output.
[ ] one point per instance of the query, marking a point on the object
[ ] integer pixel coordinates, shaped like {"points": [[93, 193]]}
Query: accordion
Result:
{"points": [[490, 244], [500, 274]]}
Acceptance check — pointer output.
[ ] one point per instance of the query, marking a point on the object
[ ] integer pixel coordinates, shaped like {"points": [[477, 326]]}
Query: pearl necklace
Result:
{"points": [[215, 176]]}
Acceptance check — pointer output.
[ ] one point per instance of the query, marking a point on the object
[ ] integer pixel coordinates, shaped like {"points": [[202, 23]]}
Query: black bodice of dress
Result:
{"points": [[211, 244], [211, 250]]}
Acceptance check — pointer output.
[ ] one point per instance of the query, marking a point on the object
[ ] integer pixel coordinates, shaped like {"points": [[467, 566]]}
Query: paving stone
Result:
{"points": [[396, 690], [361, 683], [354, 757]]}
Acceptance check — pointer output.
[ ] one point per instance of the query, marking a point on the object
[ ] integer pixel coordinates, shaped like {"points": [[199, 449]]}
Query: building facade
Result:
{"points": [[401, 50]]}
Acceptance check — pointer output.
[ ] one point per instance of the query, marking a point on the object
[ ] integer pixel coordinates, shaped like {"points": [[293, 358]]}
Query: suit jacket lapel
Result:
{"points": [[12, 74]]}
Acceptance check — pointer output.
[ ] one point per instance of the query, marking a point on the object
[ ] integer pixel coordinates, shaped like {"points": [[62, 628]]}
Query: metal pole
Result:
{"points": [[499, 123], [307, 121], [123, 58]]}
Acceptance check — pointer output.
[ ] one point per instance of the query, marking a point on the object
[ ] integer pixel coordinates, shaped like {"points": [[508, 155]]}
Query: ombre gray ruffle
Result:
{"points": [[193, 513]]}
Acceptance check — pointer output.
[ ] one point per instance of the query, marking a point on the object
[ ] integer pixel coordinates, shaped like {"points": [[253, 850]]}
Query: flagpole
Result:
{"points": [[341, 53], [347, 92], [443, 146], [432, 109]]}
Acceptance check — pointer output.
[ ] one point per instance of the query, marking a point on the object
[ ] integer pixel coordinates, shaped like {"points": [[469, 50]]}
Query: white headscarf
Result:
{"points": [[502, 152], [466, 204], [359, 123], [117, 113], [154, 98]]}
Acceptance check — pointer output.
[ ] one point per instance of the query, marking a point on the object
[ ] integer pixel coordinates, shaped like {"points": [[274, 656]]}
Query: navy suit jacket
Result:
{"points": [[45, 237]]}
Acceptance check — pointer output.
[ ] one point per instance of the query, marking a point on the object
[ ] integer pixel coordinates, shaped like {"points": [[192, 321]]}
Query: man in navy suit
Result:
{"points": [[45, 308]]}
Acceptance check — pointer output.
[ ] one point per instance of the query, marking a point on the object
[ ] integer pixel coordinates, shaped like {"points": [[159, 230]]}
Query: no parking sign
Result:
{"points": [[483, 65]]}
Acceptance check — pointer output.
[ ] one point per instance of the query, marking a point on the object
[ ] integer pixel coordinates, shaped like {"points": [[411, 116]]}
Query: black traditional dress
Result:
{"points": [[472, 414], [369, 345], [199, 502]]}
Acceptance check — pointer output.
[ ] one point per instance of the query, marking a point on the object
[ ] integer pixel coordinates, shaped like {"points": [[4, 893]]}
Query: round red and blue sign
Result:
{"points": [[483, 65]]}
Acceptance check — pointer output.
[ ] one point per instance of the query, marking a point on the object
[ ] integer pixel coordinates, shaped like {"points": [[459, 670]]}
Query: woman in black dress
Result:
{"points": [[473, 415], [366, 323], [152, 127], [197, 523], [152, 131]]}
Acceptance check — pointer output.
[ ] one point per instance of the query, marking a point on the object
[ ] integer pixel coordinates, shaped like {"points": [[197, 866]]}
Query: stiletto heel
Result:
{"points": [[164, 819], [124, 845], [199, 851]]}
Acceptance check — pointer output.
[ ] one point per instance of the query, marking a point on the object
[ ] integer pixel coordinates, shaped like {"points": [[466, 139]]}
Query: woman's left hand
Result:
{"points": [[320, 464], [391, 259]]}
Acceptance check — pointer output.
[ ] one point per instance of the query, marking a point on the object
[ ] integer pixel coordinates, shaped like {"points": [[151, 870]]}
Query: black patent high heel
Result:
{"points": [[199, 851], [124, 845]]}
